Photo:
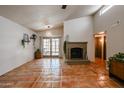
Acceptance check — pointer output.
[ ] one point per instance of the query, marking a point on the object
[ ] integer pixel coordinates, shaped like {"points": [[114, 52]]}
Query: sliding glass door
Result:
{"points": [[46, 47], [55, 46], [51, 46]]}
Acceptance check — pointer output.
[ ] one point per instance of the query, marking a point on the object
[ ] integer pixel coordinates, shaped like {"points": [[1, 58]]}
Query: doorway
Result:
{"points": [[100, 45], [51, 46]]}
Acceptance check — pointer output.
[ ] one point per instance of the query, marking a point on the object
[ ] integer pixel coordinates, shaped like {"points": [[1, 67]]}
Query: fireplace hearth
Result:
{"points": [[76, 52]]}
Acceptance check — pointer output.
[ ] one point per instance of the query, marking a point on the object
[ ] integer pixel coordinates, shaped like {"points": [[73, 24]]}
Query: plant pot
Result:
{"points": [[117, 69], [38, 55]]}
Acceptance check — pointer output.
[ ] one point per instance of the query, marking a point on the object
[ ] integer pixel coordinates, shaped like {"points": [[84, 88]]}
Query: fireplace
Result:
{"points": [[76, 53]]}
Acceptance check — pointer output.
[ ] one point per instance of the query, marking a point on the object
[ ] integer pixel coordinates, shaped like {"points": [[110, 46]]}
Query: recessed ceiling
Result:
{"points": [[39, 17]]}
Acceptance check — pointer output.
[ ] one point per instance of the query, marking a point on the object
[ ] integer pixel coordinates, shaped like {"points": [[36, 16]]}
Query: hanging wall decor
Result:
{"points": [[33, 37], [25, 39]]}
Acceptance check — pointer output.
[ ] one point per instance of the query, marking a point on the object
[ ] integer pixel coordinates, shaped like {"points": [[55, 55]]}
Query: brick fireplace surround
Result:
{"points": [[82, 46]]}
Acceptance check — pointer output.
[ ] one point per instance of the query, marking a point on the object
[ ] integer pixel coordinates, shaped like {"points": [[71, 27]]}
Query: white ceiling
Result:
{"points": [[38, 17]]}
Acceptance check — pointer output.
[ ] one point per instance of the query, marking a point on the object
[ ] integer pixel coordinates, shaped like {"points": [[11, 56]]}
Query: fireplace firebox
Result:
{"points": [[76, 53]]}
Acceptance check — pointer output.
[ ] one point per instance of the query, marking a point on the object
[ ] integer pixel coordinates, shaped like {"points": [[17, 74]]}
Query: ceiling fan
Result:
{"points": [[64, 6]]}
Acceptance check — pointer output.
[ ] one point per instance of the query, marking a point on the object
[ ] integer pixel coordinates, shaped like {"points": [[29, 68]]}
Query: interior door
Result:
{"points": [[100, 46]]}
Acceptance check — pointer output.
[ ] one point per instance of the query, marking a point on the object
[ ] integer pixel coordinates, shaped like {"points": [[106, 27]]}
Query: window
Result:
{"points": [[105, 9]]}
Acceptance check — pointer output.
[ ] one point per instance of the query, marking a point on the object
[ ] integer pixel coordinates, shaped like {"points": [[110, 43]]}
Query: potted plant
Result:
{"points": [[116, 65], [38, 54]]}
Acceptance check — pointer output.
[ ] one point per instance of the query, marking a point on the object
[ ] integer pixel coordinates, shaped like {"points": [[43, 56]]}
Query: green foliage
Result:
{"points": [[23, 43], [117, 57], [38, 50]]}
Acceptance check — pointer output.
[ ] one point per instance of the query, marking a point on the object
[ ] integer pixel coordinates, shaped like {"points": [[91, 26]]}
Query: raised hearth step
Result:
{"points": [[77, 61]]}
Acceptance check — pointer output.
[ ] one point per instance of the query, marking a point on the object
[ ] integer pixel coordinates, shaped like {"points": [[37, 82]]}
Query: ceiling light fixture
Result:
{"points": [[48, 26]]}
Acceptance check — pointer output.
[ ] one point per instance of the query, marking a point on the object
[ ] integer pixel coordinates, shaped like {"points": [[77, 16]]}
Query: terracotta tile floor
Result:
{"points": [[54, 73]]}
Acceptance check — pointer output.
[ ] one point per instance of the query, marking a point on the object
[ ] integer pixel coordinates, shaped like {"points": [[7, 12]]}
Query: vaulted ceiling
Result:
{"points": [[42, 17]]}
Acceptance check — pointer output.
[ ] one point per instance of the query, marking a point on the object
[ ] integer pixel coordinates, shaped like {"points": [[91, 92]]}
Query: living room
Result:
{"points": [[66, 39]]}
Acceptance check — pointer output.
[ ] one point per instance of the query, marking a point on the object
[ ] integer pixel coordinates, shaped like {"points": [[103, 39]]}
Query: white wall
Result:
{"points": [[84, 10], [115, 33], [55, 32], [12, 53], [81, 30]]}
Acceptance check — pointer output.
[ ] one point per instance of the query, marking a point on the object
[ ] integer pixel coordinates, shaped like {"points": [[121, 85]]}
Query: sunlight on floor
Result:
{"points": [[55, 73]]}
